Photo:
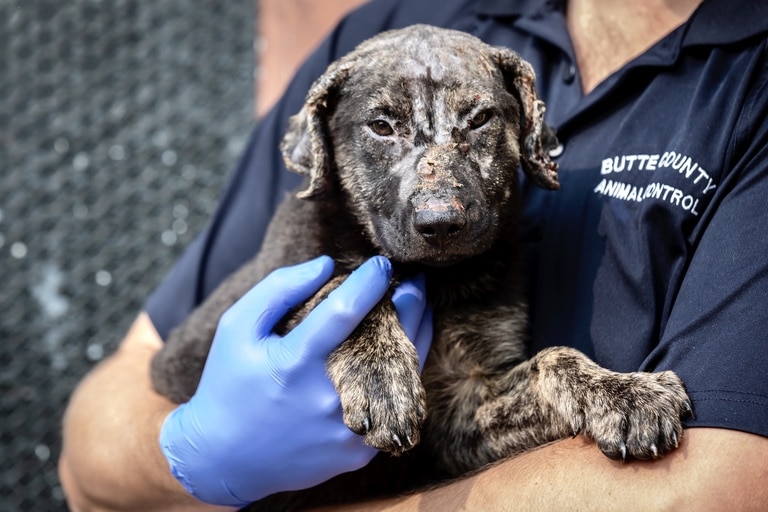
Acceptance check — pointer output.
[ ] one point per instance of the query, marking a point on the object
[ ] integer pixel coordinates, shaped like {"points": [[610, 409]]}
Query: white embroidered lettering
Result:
{"points": [[652, 161], [684, 165], [600, 188]]}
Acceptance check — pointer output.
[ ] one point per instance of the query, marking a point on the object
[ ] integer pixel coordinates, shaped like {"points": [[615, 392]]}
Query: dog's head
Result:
{"points": [[423, 129]]}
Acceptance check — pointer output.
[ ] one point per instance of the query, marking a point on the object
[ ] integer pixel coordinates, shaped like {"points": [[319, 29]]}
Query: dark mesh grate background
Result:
{"points": [[119, 121]]}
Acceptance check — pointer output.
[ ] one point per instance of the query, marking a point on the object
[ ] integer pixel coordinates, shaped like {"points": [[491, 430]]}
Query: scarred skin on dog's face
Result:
{"points": [[429, 142]]}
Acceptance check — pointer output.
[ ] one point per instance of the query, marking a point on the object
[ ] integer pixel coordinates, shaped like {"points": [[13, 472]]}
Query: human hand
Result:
{"points": [[265, 417]]}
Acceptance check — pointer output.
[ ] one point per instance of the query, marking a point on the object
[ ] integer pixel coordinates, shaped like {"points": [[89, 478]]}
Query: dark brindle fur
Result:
{"points": [[411, 145]]}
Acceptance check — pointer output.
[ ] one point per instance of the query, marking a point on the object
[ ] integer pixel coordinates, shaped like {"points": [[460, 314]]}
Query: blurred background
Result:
{"points": [[119, 123]]}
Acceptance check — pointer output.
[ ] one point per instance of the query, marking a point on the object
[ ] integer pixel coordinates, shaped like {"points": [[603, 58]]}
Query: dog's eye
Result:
{"points": [[381, 128], [480, 119]]}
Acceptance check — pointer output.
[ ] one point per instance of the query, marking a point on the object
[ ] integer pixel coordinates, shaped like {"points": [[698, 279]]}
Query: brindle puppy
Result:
{"points": [[411, 145]]}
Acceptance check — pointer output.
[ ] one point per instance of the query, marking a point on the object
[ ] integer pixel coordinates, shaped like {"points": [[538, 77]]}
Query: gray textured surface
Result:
{"points": [[119, 121]]}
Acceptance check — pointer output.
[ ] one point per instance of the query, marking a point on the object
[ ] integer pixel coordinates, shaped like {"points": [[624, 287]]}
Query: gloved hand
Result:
{"points": [[265, 417], [410, 299]]}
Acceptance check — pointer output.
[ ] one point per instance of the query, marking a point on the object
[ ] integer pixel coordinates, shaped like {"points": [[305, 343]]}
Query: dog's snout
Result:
{"points": [[438, 225]]}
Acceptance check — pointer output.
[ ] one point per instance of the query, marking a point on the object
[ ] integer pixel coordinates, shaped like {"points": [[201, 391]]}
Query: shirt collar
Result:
{"points": [[721, 22], [715, 22], [512, 8]]}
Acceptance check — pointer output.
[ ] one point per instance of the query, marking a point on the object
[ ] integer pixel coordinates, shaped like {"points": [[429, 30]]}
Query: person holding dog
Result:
{"points": [[650, 257]]}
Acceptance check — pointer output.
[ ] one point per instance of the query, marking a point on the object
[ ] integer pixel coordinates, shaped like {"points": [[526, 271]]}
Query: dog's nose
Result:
{"points": [[437, 226]]}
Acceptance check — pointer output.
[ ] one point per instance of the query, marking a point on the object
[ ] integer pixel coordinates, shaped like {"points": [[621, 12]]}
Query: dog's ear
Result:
{"points": [[305, 145], [536, 138]]}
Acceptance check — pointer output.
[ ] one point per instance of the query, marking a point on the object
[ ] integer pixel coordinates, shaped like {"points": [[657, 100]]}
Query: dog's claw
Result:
{"points": [[577, 424], [675, 440], [367, 425], [397, 441], [654, 450], [623, 449]]}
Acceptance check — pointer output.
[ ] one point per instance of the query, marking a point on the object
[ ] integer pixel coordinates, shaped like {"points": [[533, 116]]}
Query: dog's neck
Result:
{"points": [[485, 278]]}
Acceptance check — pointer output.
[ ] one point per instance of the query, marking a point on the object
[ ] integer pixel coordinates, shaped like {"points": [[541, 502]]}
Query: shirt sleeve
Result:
{"points": [[716, 336]]}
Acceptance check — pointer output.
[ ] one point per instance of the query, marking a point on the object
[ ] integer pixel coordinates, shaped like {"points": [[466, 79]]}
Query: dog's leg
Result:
{"points": [[627, 414], [376, 372]]}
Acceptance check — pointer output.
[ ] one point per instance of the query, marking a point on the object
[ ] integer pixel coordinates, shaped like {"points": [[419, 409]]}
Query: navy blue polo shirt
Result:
{"points": [[652, 256]]}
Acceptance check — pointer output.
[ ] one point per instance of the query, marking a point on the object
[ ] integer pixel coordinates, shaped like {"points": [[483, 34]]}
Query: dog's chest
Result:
{"points": [[472, 347]]}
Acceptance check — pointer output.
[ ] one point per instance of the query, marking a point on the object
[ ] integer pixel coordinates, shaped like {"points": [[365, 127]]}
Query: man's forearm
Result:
{"points": [[712, 470], [111, 459]]}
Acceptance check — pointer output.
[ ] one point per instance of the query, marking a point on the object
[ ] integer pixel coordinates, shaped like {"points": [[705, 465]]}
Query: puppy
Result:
{"points": [[411, 146]]}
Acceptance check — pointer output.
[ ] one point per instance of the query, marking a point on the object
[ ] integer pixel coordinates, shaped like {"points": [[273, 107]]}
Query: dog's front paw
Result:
{"points": [[635, 415], [387, 405], [376, 372], [638, 415]]}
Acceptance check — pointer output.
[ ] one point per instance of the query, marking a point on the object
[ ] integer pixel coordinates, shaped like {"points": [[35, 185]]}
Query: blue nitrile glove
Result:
{"points": [[410, 299], [265, 417]]}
